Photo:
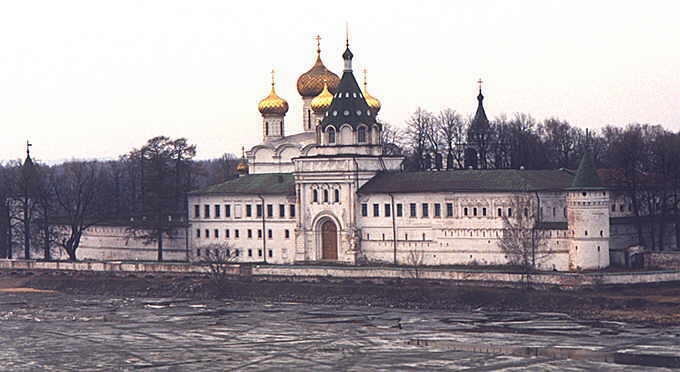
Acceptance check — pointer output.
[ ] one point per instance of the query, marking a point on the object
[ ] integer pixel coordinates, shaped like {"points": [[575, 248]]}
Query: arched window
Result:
{"points": [[331, 135], [325, 196], [361, 135], [266, 128], [315, 196], [337, 196]]}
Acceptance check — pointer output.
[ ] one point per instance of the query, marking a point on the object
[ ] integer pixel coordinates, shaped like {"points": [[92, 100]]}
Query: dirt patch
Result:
{"points": [[25, 290]]}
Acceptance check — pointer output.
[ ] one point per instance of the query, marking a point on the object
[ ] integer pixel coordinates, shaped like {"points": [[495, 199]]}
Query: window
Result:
{"points": [[449, 209], [336, 196], [509, 212], [565, 212], [249, 210], [376, 210], [259, 253], [227, 234], [227, 210], [250, 234], [207, 233], [228, 252], [206, 211], [258, 210], [216, 233], [259, 233], [236, 235], [237, 252], [270, 234], [364, 210], [484, 212], [331, 135], [315, 196], [426, 210], [198, 233], [197, 211], [500, 212], [412, 208], [526, 212], [198, 252], [613, 207], [554, 211], [291, 211], [405, 236], [270, 210], [325, 196], [437, 210], [388, 210], [361, 135], [218, 211], [474, 212], [621, 208], [282, 210], [271, 253], [250, 253], [465, 211], [286, 234], [424, 236], [400, 210]]}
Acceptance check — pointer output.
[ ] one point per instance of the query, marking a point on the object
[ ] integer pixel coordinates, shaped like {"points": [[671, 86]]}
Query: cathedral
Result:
{"points": [[330, 194]]}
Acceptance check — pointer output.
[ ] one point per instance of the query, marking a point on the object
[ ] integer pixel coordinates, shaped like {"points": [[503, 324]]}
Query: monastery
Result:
{"points": [[330, 194]]}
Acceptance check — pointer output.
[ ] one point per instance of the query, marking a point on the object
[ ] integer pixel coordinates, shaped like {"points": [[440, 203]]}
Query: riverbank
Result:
{"points": [[652, 304]]}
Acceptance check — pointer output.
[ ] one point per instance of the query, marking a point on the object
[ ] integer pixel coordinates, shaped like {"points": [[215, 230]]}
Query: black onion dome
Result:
{"points": [[349, 105]]}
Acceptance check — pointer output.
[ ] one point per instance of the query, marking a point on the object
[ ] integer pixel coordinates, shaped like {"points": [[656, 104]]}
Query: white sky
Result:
{"points": [[86, 79]]}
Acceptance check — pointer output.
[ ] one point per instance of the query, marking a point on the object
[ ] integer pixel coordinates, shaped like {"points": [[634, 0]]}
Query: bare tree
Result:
{"points": [[219, 257], [165, 178], [451, 128], [523, 242], [77, 188]]}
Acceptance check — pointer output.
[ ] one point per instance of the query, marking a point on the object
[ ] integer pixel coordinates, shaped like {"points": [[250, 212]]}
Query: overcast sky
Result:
{"points": [[93, 79]]}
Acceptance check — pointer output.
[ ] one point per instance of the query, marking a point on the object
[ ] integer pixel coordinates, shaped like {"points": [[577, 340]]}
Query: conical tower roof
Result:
{"points": [[586, 176], [480, 123], [349, 105]]}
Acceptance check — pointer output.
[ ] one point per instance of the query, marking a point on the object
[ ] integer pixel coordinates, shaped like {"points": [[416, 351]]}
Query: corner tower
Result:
{"points": [[588, 219]]}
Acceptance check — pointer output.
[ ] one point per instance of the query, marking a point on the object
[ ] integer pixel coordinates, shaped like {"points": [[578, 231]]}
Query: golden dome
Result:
{"points": [[273, 104], [242, 167], [323, 101], [372, 102], [310, 84]]}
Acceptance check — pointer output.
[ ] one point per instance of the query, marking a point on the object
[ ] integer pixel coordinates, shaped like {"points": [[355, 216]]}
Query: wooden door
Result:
{"points": [[329, 241]]}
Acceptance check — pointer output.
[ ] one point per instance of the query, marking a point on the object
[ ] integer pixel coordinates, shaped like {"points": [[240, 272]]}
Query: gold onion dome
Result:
{"points": [[372, 102], [311, 83], [323, 101], [242, 166], [273, 104]]}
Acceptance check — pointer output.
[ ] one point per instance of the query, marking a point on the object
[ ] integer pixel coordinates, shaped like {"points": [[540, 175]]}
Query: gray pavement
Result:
{"points": [[57, 332]]}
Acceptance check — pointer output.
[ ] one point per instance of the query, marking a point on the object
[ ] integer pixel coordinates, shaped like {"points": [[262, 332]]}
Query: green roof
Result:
{"points": [[254, 184], [586, 175], [469, 180]]}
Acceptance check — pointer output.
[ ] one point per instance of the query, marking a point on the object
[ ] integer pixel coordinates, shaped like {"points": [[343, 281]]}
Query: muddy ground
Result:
{"points": [[655, 305]]}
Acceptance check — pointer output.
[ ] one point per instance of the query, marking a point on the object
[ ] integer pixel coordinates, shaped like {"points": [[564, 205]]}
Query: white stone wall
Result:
{"points": [[208, 230], [443, 239], [104, 242]]}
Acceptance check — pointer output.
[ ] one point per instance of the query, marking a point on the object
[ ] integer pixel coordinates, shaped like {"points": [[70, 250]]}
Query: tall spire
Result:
{"points": [[480, 123], [586, 177], [28, 148], [347, 56], [480, 97]]}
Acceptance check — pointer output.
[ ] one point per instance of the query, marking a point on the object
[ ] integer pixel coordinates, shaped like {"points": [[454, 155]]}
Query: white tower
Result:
{"points": [[588, 219]]}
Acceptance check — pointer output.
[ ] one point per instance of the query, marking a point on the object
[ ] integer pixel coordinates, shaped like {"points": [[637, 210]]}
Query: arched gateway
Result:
{"points": [[329, 240]]}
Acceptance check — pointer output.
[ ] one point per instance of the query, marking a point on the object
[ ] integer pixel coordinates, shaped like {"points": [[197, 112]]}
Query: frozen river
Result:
{"points": [[57, 332]]}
